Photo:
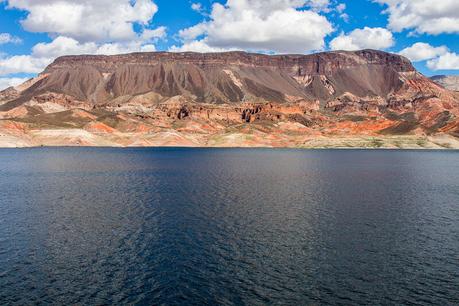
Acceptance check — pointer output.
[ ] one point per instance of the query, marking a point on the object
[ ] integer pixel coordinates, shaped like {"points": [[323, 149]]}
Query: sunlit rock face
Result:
{"points": [[450, 82], [370, 98]]}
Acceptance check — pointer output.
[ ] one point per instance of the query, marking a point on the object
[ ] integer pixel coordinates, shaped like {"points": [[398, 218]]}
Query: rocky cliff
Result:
{"points": [[368, 97]]}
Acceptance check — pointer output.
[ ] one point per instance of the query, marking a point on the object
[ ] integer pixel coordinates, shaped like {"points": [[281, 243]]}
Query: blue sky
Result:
{"points": [[34, 32]]}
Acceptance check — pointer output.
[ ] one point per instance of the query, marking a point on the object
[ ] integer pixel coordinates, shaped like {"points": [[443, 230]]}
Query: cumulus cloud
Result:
{"points": [[44, 53], [423, 16], [22, 64], [6, 38], [82, 27], [8, 82], [423, 51], [87, 20], [447, 61], [68, 46], [198, 46], [62, 46], [438, 58], [153, 35], [282, 26], [366, 38]]}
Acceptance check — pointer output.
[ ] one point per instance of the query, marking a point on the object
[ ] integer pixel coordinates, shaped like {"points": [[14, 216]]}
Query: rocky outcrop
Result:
{"points": [[227, 99]]}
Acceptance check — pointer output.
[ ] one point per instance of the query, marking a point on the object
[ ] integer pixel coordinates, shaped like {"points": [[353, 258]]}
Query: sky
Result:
{"points": [[34, 32]]}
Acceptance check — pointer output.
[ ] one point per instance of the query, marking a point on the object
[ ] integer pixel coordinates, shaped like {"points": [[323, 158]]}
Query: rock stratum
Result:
{"points": [[365, 99]]}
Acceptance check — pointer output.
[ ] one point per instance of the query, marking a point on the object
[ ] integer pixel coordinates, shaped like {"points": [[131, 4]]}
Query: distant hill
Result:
{"points": [[450, 82]]}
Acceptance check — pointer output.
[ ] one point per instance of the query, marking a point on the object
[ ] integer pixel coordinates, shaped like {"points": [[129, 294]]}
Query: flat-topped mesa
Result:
{"points": [[313, 64], [145, 99], [223, 78]]}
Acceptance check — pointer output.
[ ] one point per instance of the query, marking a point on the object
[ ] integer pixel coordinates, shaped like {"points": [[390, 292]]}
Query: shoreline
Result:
{"points": [[230, 148], [227, 139]]}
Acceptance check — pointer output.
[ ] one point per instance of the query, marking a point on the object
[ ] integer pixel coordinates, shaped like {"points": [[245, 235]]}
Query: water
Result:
{"points": [[255, 227]]}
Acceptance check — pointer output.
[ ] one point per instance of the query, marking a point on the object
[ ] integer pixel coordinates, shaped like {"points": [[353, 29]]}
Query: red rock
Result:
{"points": [[272, 99]]}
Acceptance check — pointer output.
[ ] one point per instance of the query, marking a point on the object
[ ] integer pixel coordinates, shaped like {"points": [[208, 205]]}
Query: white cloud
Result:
{"points": [[62, 46], [68, 46], [366, 38], [198, 46], [345, 17], [87, 20], [340, 8], [447, 61], [44, 53], [319, 5], [22, 64], [438, 58], [153, 35], [79, 27], [283, 26], [116, 48], [423, 51], [6, 38], [423, 16], [193, 32], [197, 7], [83, 27], [8, 82]]}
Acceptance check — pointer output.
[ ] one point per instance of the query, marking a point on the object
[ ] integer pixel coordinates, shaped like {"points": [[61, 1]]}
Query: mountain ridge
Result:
{"points": [[173, 74], [199, 97]]}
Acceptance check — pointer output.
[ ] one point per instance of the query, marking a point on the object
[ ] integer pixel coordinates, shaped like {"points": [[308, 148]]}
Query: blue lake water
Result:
{"points": [[228, 226]]}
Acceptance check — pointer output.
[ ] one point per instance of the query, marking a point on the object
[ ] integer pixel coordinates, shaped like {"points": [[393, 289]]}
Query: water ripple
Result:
{"points": [[253, 227]]}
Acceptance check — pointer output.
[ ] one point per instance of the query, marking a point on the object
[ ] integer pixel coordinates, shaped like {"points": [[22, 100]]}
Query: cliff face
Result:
{"points": [[358, 93], [320, 63], [225, 77]]}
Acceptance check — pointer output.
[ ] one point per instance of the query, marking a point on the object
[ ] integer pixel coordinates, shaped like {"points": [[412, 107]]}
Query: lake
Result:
{"points": [[179, 226]]}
